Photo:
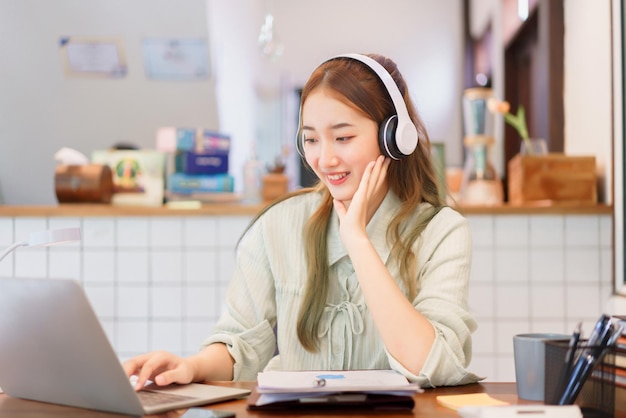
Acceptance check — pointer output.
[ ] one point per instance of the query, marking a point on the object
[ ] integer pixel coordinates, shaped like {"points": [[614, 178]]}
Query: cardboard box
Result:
{"points": [[552, 177]]}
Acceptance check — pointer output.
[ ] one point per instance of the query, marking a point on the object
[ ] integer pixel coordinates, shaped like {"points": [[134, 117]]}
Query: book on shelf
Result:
{"points": [[620, 350], [620, 376], [172, 139], [208, 162], [181, 183], [204, 197]]}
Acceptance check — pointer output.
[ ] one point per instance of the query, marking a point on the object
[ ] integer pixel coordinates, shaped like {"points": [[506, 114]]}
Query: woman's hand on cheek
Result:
{"points": [[366, 199]]}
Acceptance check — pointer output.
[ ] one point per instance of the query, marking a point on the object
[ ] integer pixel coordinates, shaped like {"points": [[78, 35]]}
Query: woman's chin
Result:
{"points": [[341, 192], [343, 198]]}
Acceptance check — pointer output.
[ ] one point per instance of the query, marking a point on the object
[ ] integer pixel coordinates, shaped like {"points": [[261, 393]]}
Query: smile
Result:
{"points": [[336, 177]]}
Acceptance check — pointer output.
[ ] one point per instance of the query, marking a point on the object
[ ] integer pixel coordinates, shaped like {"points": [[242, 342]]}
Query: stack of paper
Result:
{"points": [[372, 389]]}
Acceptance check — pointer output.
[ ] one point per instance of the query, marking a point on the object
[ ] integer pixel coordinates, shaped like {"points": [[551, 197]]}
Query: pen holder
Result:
{"points": [[597, 395]]}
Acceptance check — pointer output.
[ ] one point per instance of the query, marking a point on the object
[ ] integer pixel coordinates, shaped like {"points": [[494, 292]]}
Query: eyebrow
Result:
{"points": [[335, 126]]}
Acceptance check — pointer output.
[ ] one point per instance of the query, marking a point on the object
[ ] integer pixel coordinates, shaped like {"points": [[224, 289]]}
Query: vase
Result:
{"points": [[534, 146]]}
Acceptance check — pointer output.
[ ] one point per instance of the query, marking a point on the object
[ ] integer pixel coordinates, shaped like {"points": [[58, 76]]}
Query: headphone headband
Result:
{"points": [[385, 77]]}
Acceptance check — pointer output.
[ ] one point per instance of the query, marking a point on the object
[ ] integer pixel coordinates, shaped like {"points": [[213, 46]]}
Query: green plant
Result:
{"points": [[517, 120]]}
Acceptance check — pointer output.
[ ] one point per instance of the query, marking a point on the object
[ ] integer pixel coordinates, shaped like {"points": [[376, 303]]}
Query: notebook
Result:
{"points": [[53, 349]]}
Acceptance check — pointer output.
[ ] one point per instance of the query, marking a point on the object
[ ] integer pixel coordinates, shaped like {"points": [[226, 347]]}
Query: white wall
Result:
{"points": [[588, 84], [42, 110]]}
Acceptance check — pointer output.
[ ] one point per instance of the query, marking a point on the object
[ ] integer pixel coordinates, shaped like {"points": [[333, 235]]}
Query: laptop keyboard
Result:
{"points": [[149, 398]]}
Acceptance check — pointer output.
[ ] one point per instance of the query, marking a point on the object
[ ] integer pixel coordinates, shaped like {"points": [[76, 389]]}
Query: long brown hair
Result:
{"points": [[412, 179]]}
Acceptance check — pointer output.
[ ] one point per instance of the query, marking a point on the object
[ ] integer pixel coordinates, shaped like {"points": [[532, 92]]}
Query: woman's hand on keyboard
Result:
{"points": [[161, 367]]}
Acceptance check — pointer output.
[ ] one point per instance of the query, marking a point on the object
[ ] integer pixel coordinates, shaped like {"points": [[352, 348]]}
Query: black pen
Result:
{"points": [[598, 329], [577, 378], [573, 345], [588, 359], [570, 355]]}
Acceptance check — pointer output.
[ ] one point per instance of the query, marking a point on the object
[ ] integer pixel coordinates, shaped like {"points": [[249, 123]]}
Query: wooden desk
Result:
{"points": [[425, 405]]}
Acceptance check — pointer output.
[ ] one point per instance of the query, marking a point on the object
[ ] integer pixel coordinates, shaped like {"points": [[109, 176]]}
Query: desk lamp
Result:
{"points": [[46, 238]]}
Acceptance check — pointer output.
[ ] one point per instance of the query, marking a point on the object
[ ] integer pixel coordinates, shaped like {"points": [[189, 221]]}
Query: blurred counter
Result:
{"points": [[252, 209]]}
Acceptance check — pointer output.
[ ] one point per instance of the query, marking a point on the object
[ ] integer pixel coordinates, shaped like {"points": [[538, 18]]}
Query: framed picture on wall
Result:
{"points": [[176, 59], [93, 57]]}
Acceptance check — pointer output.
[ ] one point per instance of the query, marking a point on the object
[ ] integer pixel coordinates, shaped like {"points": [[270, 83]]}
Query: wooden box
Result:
{"points": [[89, 183], [275, 185], [552, 177]]}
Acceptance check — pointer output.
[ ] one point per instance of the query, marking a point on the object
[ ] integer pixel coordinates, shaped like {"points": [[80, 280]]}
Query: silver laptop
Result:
{"points": [[53, 349]]}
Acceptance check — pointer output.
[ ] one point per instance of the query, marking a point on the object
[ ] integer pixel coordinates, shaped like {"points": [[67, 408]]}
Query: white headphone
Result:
{"points": [[397, 135]]}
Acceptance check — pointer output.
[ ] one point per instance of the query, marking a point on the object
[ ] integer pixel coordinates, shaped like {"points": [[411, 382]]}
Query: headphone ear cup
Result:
{"points": [[387, 138]]}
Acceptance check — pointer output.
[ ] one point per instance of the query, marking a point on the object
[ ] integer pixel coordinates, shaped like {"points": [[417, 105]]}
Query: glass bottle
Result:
{"points": [[252, 174], [481, 185]]}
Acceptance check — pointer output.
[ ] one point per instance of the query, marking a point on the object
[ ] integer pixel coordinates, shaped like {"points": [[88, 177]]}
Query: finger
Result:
{"points": [[367, 175], [155, 363], [176, 375], [144, 375], [133, 366], [382, 175], [379, 174], [372, 170], [374, 178], [362, 190], [130, 367]]}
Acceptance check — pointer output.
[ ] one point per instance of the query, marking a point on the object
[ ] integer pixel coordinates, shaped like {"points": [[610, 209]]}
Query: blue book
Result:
{"points": [[172, 139], [188, 183], [201, 163], [201, 140]]}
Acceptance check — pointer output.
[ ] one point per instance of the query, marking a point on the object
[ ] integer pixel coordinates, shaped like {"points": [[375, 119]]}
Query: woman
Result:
{"points": [[367, 270]]}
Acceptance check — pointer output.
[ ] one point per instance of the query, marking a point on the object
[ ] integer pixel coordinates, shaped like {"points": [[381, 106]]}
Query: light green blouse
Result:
{"points": [[268, 285]]}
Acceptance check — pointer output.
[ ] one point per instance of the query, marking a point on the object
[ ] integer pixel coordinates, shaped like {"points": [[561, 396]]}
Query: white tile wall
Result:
{"points": [[159, 282], [154, 282], [535, 273]]}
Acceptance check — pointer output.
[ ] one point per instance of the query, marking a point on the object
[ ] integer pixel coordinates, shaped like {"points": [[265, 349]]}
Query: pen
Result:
{"points": [[596, 333], [597, 343], [570, 355], [576, 380], [573, 345]]}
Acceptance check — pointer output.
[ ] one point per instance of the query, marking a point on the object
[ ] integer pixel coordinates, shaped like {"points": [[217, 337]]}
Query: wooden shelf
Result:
{"points": [[89, 210], [539, 208], [85, 210]]}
